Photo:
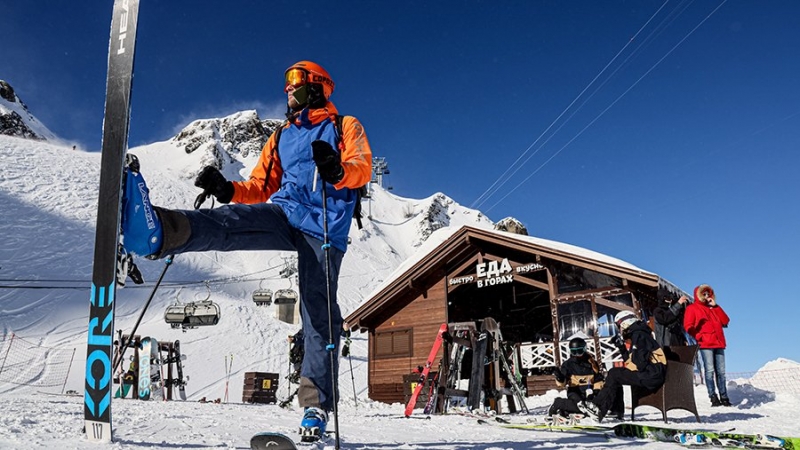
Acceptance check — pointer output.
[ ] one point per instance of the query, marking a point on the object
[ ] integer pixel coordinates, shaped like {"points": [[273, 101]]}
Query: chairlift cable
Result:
{"points": [[669, 52], [480, 200]]}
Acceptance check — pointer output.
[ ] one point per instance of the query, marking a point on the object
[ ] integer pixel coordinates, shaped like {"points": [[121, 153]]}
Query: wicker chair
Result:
{"points": [[677, 392]]}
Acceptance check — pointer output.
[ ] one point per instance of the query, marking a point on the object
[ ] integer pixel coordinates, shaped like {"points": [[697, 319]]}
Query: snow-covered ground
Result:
{"points": [[48, 196], [39, 421]]}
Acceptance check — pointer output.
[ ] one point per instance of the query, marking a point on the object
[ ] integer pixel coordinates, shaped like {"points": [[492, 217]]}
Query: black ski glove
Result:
{"points": [[618, 341], [212, 182], [328, 162], [559, 375]]}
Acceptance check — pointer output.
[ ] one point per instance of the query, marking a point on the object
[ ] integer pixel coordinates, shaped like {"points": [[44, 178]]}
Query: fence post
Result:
{"points": [[69, 367], [2, 366]]}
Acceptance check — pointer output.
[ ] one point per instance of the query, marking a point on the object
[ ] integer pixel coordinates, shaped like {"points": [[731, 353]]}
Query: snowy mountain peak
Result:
{"points": [[511, 225], [221, 141], [438, 214], [16, 120]]}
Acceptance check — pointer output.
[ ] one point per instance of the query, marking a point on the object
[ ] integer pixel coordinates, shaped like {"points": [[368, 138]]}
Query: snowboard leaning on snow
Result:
{"points": [[271, 441]]}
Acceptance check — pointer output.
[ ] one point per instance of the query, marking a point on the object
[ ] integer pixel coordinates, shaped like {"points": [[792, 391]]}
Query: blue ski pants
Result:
{"points": [[264, 226]]}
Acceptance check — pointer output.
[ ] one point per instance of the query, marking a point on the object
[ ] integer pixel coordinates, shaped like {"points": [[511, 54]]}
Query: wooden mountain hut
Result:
{"points": [[540, 292]]}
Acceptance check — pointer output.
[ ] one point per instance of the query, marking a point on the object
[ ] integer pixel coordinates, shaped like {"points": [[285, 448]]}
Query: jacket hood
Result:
{"points": [[699, 289], [665, 298], [312, 116]]}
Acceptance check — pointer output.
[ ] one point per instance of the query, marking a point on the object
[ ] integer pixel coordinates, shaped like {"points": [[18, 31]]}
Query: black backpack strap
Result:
{"points": [[272, 154], [357, 213]]}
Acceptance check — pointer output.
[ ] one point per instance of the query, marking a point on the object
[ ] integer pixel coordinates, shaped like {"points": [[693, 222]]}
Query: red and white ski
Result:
{"points": [[423, 376]]}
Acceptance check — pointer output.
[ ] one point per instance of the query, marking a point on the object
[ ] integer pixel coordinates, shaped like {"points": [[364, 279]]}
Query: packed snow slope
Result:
{"points": [[40, 421], [48, 198], [48, 195]]}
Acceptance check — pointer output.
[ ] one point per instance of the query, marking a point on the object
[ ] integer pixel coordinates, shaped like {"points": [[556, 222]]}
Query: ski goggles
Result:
{"points": [[295, 77], [577, 351], [298, 77]]}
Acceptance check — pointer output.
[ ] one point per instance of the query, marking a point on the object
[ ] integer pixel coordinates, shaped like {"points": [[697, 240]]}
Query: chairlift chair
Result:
{"points": [[261, 296], [285, 297], [193, 314]]}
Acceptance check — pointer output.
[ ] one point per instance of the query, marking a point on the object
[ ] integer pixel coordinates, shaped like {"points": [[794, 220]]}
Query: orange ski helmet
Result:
{"points": [[303, 72]]}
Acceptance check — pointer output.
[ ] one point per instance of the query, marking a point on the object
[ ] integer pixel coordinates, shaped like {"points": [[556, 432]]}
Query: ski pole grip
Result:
{"points": [[198, 202]]}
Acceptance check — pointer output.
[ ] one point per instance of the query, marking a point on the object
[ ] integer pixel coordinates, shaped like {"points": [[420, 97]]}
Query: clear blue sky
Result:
{"points": [[680, 157]]}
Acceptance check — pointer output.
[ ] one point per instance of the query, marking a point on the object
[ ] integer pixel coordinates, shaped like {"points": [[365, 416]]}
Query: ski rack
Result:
{"points": [[171, 360], [490, 377]]}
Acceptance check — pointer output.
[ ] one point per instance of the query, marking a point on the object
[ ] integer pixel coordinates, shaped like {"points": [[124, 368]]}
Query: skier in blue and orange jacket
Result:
{"points": [[280, 208]]}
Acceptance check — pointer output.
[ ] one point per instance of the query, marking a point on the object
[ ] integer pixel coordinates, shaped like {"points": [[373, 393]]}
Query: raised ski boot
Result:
{"points": [[312, 428], [141, 228]]}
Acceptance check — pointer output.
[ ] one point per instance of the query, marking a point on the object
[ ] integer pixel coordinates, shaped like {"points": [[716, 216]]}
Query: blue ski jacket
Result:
{"points": [[287, 175]]}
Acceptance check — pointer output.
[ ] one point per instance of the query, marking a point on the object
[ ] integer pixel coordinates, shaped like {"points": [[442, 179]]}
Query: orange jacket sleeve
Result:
{"points": [[254, 190], [356, 155]]}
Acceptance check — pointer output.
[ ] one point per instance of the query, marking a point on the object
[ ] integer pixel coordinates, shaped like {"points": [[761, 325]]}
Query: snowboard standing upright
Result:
{"points": [[179, 366], [144, 369], [150, 380], [97, 384]]}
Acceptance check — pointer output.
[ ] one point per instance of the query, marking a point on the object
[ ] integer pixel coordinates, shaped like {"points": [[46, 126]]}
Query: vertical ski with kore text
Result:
{"points": [[98, 386]]}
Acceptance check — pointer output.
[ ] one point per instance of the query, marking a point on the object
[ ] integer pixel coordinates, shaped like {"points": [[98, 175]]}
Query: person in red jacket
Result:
{"points": [[704, 320]]}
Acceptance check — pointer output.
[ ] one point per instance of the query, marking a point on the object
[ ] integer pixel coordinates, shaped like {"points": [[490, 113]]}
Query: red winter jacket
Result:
{"points": [[704, 323]]}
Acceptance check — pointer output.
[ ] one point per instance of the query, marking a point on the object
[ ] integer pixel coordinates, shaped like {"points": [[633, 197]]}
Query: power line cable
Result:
{"points": [[607, 108], [494, 187]]}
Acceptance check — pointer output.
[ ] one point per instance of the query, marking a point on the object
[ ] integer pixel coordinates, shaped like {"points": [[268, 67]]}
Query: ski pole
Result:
{"points": [[331, 347], [228, 369], [167, 263], [346, 352]]}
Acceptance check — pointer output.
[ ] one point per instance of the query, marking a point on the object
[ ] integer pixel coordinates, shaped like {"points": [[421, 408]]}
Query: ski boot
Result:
{"points": [[312, 428], [141, 228], [592, 410]]}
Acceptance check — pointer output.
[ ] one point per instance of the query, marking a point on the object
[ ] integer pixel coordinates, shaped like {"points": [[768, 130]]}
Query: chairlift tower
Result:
{"points": [[379, 168]]}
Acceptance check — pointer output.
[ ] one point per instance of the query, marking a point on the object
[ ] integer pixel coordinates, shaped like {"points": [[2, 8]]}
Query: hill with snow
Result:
{"points": [[16, 120], [47, 249], [48, 198]]}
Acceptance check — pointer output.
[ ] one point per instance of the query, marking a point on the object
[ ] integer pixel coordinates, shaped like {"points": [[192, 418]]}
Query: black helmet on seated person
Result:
{"points": [[577, 346]]}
